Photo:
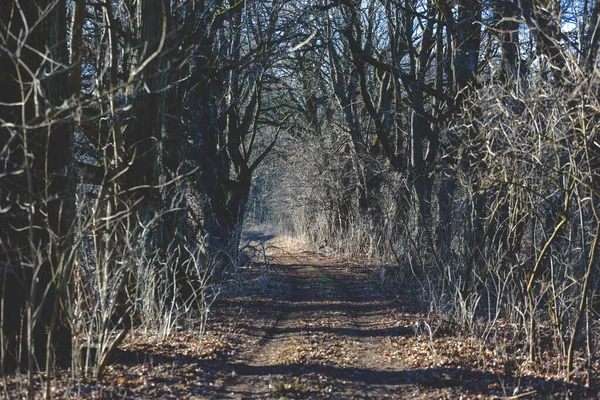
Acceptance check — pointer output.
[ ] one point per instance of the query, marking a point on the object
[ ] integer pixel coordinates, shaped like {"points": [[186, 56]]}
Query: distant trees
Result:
{"points": [[230, 69]]}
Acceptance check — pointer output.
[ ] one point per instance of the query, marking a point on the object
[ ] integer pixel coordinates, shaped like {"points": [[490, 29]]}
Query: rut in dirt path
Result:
{"points": [[326, 340]]}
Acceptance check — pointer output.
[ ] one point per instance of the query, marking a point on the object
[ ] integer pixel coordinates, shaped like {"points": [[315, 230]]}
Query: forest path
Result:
{"points": [[306, 325], [329, 335]]}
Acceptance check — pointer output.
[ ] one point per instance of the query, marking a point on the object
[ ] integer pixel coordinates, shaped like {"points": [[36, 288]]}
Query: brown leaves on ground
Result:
{"points": [[323, 332]]}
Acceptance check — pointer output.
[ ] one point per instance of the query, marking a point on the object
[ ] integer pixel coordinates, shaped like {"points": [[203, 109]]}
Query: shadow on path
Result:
{"points": [[257, 236], [349, 332], [467, 380]]}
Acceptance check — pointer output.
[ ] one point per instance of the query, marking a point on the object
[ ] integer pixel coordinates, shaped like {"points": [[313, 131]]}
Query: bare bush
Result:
{"points": [[129, 287], [536, 174]]}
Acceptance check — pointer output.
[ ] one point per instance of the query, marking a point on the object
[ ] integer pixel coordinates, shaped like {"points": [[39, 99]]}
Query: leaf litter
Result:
{"points": [[323, 331]]}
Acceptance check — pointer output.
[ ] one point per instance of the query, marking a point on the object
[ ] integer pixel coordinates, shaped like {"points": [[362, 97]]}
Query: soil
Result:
{"points": [[305, 324]]}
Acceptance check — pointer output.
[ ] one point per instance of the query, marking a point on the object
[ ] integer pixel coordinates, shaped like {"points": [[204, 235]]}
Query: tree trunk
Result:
{"points": [[546, 31], [507, 12], [420, 127], [468, 38], [144, 126], [36, 185], [593, 37], [214, 168]]}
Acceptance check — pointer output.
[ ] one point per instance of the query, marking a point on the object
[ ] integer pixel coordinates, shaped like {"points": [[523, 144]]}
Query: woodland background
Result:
{"points": [[455, 142]]}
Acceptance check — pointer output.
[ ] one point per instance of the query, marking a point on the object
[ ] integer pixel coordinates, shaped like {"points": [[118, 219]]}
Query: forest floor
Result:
{"points": [[309, 325]]}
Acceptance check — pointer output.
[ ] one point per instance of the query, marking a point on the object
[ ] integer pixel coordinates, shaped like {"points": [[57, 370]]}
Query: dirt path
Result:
{"points": [[321, 337], [331, 336], [315, 328]]}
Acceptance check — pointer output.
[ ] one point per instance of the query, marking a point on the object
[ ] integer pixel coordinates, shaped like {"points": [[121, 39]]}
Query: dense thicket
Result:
{"points": [[457, 141]]}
